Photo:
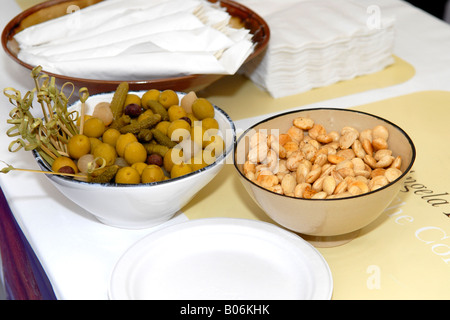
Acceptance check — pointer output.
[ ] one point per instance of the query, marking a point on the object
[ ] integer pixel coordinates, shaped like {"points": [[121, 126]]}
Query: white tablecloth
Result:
{"points": [[78, 253]]}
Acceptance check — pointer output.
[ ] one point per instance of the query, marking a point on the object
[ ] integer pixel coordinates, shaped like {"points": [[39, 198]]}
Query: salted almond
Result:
{"points": [[308, 193], [300, 189], [367, 146], [317, 130], [377, 172], [370, 161], [303, 123], [341, 187], [380, 132], [296, 134], [392, 173], [283, 138], [329, 184], [361, 185], [324, 138], [384, 162], [335, 159], [379, 143], [267, 180], [320, 195], [397, 163]]}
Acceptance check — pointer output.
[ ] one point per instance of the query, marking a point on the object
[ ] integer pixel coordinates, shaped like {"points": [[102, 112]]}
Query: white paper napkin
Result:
{"points": [[81, 21], [181, 21], [140, 42], [203, 39], [142, 66], [315, 43]]}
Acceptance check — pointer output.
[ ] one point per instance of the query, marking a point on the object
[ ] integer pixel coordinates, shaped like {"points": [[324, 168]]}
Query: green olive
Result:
{"points": [[202, 109]]}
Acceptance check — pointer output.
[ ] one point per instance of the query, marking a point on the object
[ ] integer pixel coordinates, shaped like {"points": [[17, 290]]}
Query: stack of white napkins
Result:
{"points": [[315, 43], [138, 40]]}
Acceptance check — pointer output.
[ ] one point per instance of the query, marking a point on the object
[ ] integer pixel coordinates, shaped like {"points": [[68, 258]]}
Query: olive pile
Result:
{"points": [[142, 139]]}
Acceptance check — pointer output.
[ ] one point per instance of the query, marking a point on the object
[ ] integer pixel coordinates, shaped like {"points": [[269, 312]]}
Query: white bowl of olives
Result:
{"points": [[166, 182]]}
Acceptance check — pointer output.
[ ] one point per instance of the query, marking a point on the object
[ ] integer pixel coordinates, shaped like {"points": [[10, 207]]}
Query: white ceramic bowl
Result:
{"points": [[143, 205], [327, 217]]}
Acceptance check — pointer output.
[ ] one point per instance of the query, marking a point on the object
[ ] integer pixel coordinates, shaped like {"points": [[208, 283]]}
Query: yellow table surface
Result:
{"points": [[241, 98], [405, 253], [25, 4]]}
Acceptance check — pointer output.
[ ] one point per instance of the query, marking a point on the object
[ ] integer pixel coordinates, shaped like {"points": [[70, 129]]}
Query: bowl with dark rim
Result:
{"points": [[330, 221], [143, 205], [55, 8]]}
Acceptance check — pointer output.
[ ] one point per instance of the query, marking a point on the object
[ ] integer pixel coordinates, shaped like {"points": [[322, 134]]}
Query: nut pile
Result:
{"points": [[309, 162]]}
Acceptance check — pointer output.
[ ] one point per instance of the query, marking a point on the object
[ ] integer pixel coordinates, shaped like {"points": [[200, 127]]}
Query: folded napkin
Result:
{"points": [[317, 43], [181, 21], [202, 39], [82, 21], [130, 66], [138, 40]]}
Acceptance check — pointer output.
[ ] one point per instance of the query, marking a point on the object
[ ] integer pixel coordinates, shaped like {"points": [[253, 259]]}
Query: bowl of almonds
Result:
{"points": [[324, 173]]}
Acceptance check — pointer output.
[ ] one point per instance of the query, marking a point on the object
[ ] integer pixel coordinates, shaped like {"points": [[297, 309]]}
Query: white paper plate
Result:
{"points": [[220, 258]]}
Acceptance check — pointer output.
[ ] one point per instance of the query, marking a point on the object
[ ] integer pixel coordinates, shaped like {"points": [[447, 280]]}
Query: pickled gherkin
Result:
{"points": [[107, 175], [118, 100], [158, 108], [136, 127], [145, 135], [121, 122], [156, 148], [162, 139]]}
